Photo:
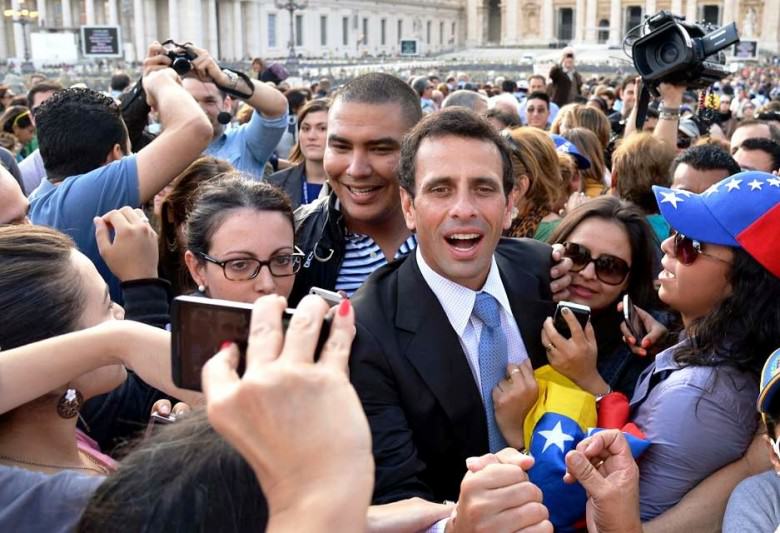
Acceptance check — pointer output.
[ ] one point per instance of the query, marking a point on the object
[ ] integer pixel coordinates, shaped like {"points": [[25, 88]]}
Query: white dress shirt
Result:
{"points": [[458, 304]]}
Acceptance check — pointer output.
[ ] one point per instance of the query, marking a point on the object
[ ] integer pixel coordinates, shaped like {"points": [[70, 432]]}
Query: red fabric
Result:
{"points": [[613, 411]]}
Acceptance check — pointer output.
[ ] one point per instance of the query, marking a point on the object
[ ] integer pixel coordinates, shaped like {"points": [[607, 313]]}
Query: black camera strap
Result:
{"points": [[642, 103], [236, 93]]}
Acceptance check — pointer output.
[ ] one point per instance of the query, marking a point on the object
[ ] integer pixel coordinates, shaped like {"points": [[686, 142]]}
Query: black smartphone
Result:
{"points": [[632, 319], [200, 325], [581, 313]]}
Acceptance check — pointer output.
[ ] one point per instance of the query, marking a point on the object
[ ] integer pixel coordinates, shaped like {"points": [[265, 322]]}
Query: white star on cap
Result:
{"points": [[556, 437], [755, 184], [733, 184], [712, 190], [774, 182], [671, 198]]}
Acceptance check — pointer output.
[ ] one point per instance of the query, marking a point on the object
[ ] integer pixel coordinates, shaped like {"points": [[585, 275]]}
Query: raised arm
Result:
{"points": [[186, 129], [264, 99], [29, 371], [669, 120]]}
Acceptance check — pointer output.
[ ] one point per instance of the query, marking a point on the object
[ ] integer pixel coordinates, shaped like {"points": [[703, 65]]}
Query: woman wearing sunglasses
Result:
{"points": [[721, 272], [240, 240], [611, 248], [17, 121]]}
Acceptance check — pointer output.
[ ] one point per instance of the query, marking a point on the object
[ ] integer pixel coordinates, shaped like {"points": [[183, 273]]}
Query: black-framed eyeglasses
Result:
{"points": [[609, 269], [246, 268], [686, 250]]}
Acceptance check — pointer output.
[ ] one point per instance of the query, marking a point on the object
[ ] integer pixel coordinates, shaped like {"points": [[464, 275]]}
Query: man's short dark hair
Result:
{"points": [[44, 86], [768, 146], [120, 81], [706, 157], [77, 129], [774, 131], [539, 95], [379, 88], [537, 77], [508, 86], [509, 120], [458, 122]]}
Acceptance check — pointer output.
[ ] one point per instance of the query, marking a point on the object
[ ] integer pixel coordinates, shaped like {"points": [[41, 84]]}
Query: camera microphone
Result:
{"points": [[224, 118]]}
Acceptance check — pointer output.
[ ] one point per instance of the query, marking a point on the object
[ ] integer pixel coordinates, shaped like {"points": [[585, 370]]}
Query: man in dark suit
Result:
{"points": [[565, 81], [428, 360]]}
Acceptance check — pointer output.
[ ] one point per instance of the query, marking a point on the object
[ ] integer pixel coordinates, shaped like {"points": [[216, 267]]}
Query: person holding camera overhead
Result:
{"points": [[246, 147]]}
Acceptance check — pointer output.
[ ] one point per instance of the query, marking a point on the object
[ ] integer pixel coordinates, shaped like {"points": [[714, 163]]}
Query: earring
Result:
{"points": [[515, 212], [202, 288], [70, 403]]}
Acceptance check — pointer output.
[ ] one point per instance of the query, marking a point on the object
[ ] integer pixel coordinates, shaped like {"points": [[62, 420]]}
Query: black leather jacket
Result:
{"points": [[320, 233]]}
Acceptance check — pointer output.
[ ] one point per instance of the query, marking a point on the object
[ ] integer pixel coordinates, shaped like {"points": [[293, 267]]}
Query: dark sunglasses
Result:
{"points": [[609, 269], [686, 250]]}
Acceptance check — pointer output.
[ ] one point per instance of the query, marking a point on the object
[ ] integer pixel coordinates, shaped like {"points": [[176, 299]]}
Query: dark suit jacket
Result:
{"points": [[408, 367], [290, 180], [562, 85]]}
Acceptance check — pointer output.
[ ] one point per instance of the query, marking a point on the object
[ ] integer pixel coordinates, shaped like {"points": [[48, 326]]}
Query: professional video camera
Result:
{"points": [[674, 51]]}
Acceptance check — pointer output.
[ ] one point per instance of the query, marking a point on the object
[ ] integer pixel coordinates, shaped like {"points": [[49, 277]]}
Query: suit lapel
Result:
{"points": [[529, 311], [433, 348]]}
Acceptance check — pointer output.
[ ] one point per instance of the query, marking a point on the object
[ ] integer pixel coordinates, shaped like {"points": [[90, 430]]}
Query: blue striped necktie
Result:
{"points": [[492, 361]]}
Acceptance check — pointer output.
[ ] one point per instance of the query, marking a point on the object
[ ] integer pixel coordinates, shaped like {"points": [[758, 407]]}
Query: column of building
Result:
{"points": [[690, 11], [615, 22], [139, 29], [548, 21], [590, 21], [677, 7], [67, 15], [174, 29], [770, 28], [18, 30], [650, 8], [238, 30], [579, 21]]}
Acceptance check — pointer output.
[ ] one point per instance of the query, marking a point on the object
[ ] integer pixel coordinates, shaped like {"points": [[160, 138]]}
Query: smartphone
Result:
{"points": [[333, 298], [200, 325], [581, 313], [632, 319]]}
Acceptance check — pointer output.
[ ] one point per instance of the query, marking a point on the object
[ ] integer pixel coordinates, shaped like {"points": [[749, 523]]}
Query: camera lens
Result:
{"points": [[181, 65], [669, 53]]}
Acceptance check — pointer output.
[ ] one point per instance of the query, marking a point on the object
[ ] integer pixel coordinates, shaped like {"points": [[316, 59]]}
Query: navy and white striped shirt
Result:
{"points": [[361, 257]]}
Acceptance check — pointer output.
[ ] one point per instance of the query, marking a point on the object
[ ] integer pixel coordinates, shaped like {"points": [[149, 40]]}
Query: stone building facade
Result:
{"points": [[236, 29]]}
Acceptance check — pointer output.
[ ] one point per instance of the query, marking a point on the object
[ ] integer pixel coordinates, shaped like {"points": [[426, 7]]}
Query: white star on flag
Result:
{"points": [[671, 198], [755, 184], [733, 184], [685, 192], [556, 437], [774, 182]]}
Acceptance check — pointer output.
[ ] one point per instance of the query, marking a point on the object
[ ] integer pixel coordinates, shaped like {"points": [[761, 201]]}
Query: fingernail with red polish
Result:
{"points": [[344, 307], [225, 345]]}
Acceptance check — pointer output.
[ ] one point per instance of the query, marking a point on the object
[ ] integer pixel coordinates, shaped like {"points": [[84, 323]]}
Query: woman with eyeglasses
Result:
{"points": [[17, 120], [611, 249], [721, 272], [240, 240]]}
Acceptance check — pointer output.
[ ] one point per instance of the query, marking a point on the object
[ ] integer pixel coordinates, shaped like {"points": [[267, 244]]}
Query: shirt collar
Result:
{"points": [[457, 300], [665, 360]]}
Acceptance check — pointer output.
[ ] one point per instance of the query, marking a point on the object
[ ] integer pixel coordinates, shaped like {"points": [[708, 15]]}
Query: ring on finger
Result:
{"points": [[548, 347]]}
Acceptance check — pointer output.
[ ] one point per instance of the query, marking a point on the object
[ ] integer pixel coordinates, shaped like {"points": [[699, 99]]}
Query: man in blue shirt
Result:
{"points": [[85, 147], [246, 147]]}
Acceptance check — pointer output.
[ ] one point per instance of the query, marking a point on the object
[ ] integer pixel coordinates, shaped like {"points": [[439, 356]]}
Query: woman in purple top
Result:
{"points": [[721, 272]]}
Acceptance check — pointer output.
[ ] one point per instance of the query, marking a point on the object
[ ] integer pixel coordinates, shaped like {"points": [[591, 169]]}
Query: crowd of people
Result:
{"points": [[450, 216]]}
